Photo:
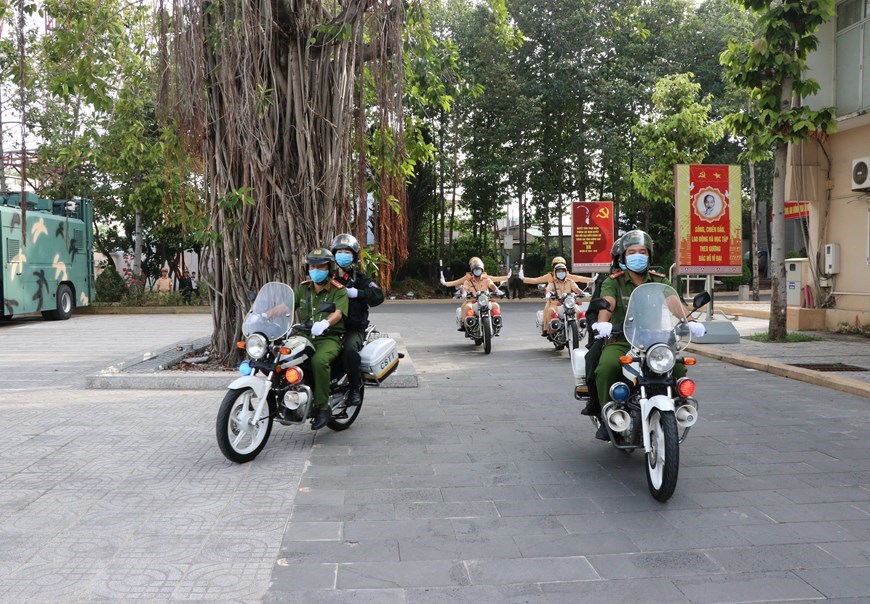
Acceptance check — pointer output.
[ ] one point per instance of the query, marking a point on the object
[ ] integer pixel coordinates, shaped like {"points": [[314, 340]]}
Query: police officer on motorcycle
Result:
{"points": [[363, 293], [326, 330], [636, 253]]}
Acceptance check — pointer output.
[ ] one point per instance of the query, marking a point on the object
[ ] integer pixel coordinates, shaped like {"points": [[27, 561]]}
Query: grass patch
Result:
{"points": [[790, 338]]}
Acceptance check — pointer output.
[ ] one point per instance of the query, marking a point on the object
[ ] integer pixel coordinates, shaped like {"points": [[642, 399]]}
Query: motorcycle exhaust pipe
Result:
{"points": [[618, 419], [687, 415], [293, 399], [555, 324], [470, 321]]}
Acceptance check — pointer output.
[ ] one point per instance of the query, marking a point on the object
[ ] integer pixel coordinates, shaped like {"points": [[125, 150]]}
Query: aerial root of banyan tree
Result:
{"points": [[264, 91]]}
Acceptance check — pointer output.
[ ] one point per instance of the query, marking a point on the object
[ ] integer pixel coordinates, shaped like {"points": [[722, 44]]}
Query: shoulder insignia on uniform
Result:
{"points": [[657, 274], [616, 274], [337, 284], [306, 281]]}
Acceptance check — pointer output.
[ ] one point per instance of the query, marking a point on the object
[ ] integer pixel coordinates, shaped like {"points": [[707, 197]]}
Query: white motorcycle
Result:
{"points": [[567, 323], [483, 322], [276, 382], [649, 407]]}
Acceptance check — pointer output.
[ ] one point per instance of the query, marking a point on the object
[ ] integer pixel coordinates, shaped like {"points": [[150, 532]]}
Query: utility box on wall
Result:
{"points": [[832, 258], [797, 274]]}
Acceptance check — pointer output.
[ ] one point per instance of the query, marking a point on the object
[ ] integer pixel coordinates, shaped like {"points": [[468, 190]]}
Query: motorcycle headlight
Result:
{"points": [[256, 346], [483, 300], [570, 304], [660, 358]]}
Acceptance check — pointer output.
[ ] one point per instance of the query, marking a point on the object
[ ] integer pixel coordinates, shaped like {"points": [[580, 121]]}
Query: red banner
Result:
{"points": [[592, 234], [708, 220], [797, 209]]}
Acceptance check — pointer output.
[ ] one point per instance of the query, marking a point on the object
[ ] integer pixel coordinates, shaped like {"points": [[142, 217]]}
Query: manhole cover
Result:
{"points": [[828, 367]]}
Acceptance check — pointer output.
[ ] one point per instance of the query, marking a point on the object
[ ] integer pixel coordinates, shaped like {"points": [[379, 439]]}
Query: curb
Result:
{"points": [[150, 371], [818, 378], [142, 310]]}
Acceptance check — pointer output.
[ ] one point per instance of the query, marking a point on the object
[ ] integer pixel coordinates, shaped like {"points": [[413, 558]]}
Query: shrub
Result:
{"points": [[110, 286]]}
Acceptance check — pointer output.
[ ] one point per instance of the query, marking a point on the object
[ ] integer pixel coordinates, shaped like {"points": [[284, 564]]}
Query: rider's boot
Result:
{"points": [[602, 433], [354, 398], [322, 418]]}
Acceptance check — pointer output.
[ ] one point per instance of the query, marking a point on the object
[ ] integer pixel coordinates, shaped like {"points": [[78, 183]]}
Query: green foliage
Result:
{"points": [[791, 338], [110, 286], [370, 261], [678, 132], [731, 283], [771, 69]]}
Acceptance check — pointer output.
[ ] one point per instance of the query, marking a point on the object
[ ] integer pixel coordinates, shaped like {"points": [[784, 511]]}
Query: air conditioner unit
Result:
{"points": [[861, 174]]}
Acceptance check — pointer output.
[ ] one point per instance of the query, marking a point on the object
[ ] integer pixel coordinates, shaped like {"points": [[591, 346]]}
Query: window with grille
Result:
{"points": [[13, 246]]}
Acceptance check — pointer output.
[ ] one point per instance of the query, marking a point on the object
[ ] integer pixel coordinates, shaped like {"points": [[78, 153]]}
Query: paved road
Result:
{"points": [[482, 485]]}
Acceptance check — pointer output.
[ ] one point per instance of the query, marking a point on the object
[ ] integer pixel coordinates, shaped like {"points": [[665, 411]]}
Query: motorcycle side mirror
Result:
{"points": [[701, 299], [326, 307], [599, 304]]}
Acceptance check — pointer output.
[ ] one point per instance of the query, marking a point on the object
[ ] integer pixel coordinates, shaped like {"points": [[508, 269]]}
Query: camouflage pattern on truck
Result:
{"points": [[52, 271]]}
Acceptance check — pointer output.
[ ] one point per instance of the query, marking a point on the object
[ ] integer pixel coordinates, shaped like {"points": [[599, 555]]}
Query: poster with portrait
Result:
{"points": [[708, 220], [592, 236]]}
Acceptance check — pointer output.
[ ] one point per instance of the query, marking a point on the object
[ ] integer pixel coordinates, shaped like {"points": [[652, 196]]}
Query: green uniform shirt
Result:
{"points": [[307, 301], [620, 280]]}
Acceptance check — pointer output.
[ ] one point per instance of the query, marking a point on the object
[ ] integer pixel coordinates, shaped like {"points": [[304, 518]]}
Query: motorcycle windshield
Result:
{"points": [[271, 313], [653, 313]]}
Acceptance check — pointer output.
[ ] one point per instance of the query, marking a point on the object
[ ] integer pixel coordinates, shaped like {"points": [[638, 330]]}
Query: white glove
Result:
{"points": [[352, 292], [509, 273], [602, 329], [499, 293], [443, 280], [521, 274], [319, 327], [696, 329], [547, 296]]}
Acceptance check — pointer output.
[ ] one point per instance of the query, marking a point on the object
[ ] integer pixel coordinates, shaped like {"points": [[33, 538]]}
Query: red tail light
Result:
{"points": [[496, 312], [581, 314], [685, 387], [293, 375]]}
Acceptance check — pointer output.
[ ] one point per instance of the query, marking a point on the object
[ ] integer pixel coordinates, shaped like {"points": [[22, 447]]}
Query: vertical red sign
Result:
{"points": [[592, 234], [708, 219]]}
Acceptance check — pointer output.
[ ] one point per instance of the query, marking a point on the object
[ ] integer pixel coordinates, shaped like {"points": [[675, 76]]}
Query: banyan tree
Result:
{"points": [[269, 93]]}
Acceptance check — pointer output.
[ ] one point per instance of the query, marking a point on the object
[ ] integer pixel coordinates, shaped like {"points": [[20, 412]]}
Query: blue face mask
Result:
{"points": [[561, 275], [622, 265], [343, 259], [318, 275], [637, 263], [477, 272]]}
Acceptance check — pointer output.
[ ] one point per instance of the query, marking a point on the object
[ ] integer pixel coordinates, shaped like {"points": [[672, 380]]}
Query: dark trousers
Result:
{"points": [[592, 358], [354, 339]]}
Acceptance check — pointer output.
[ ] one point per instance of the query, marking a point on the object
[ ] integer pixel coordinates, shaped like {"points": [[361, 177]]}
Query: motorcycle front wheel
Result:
{"points": [[663, 461], [574, 336], [487, 336], [343, 420], [239, 441]]}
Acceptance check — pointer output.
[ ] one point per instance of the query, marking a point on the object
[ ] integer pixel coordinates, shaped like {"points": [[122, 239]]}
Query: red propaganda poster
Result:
{"points": [[797, 209], [592, 233], [708, 216]]}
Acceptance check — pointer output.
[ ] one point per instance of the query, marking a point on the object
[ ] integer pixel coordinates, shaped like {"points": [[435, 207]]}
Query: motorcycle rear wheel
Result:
{"points": [[663, 462], [343, 423], [238, 441]]}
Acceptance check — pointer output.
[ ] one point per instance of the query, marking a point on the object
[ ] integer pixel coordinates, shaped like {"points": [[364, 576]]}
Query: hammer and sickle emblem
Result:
{"points": [[603, 212]]}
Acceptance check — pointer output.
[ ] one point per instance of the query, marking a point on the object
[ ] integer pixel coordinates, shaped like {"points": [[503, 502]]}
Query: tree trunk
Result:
{"points": [[267, 90], [777, 325], [22, 91], [753, 247]]}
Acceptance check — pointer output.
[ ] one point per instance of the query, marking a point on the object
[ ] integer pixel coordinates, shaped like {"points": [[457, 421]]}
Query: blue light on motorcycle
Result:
{"points": [[619, 392], [245, 368]]}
